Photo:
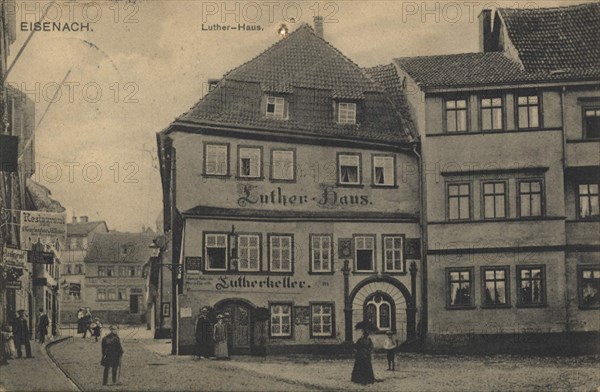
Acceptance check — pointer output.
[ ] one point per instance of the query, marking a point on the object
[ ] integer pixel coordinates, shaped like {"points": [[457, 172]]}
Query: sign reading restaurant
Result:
{"points": [[43, 231]]}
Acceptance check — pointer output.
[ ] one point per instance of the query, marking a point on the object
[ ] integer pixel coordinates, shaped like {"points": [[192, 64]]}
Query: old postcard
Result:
{"points": [[299, 195]]}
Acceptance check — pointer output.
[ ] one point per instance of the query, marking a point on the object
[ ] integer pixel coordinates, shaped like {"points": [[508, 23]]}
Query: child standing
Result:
{"points": [[96, 328], [390, 346]]}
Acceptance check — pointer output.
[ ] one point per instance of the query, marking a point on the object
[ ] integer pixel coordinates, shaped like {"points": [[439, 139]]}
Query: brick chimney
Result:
{"points": [[318, 20], [83, 219], [485, 31], [212, 84]]}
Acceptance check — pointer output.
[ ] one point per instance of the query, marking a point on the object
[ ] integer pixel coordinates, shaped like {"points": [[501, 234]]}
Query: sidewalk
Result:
{"points": [[35, 374]]}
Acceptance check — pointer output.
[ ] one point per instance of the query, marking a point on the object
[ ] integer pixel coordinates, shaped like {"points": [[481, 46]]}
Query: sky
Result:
{"points": [[141, 65]]}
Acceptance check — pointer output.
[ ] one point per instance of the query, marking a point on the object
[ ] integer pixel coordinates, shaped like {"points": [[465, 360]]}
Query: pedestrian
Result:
{"points": [[363, 367], [96, 328], [8, 343], [21, 334], [390, 345], [220, 338], [87, 322], [42, 326], [80, 316], [112, 351], [204, 332]]}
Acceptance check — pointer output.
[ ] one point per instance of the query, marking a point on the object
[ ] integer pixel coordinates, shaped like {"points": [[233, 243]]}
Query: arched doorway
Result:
{"points": [[387, 303], [239, 315]]}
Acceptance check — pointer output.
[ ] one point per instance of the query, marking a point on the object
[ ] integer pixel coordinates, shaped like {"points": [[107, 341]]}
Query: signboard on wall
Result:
{"points": [[345, 248], [14, 257], [43, 231], [301, 315], [193, 263]]}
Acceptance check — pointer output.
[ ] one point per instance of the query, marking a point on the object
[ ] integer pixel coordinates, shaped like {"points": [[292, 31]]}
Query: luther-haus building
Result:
{"points": [[291, 194]]}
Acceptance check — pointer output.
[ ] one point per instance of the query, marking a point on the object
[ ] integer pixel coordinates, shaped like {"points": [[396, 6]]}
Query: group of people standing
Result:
{"points": [[211, 340], [17, 334], [362, 373], [87, 323]]}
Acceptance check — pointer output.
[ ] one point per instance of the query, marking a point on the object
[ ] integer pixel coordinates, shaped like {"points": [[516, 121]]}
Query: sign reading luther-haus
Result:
{"points": [[329, 197]]}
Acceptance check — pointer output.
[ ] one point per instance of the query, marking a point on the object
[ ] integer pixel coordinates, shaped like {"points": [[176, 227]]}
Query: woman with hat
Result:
{"points": [[363, 367], [220, 338]]}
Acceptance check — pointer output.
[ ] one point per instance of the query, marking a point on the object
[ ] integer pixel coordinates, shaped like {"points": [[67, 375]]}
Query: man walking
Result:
{"points": [[204, 332], [42, 326], [21, 334], [111, 355]]}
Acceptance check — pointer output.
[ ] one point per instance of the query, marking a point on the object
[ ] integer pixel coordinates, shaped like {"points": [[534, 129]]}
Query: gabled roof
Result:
{"points": [[558, 38], [552, 45], [311, 73], [82, 229], [38, 198], [110, 248]]}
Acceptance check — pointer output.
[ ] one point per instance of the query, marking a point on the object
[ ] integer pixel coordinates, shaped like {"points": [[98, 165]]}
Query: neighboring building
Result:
{"points": [[45, 277], [511, 147], [291, 194], [115, 286], [79, 235]]}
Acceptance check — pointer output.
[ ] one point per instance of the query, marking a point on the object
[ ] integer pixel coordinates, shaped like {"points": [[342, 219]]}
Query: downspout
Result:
{"points": [[564, 159], [422, 224]]}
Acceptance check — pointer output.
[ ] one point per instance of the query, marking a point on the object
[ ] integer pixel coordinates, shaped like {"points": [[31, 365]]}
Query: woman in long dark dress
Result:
{"points": [[363, 367]]}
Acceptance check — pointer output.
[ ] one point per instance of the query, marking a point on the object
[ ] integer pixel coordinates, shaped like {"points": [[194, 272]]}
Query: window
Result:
{"points": [[283, 165], [531, 285], [456, 115], [591, 123], [123, 271], [280, 253], [215, 252], [111, 294], [495, 287], [102, 271], [74, 292], [281, 320], [589, 286], [379, 310], [321, 249], [349, 169], [79, 269], [121, 294], [383, 170], [588, 201], [528, 111], [392, 254], [67, 269], [346, 113], [110, 271], [248, 252], [250, 162], [460, 287], [491, 114], [321, 316], [494, 200], [216, 159], [101, 294], [459, 201], [530, 198], [364, 253], [275, 107]]}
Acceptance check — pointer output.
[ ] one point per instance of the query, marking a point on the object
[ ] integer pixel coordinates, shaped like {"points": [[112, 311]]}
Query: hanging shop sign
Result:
{"points": [[43, 231], [14, 257], [40, 257]]}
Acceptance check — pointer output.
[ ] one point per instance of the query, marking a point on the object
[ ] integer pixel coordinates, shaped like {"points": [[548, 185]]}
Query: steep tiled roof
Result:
{"points": [[312, 73], [110, 248], [82, 228], [472, 69], [387, 77], [559, 38], [38, 197]]}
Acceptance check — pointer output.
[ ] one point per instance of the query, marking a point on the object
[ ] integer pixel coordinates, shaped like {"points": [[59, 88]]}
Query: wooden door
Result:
{"points": [[239, 327]]}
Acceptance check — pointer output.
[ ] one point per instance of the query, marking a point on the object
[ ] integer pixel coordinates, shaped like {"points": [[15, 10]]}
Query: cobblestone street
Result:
{"points": [[147, 365]]}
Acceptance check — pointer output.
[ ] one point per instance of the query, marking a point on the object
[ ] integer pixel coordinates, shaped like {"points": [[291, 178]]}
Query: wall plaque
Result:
{"points": [[301, 315]]}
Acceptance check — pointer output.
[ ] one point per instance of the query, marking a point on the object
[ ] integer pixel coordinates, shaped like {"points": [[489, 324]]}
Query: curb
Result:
{"points": [[58, 365]]}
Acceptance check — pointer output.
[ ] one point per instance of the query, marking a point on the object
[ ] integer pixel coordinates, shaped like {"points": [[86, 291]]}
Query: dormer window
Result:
{"points": [[275, 107], [346, 113]]}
